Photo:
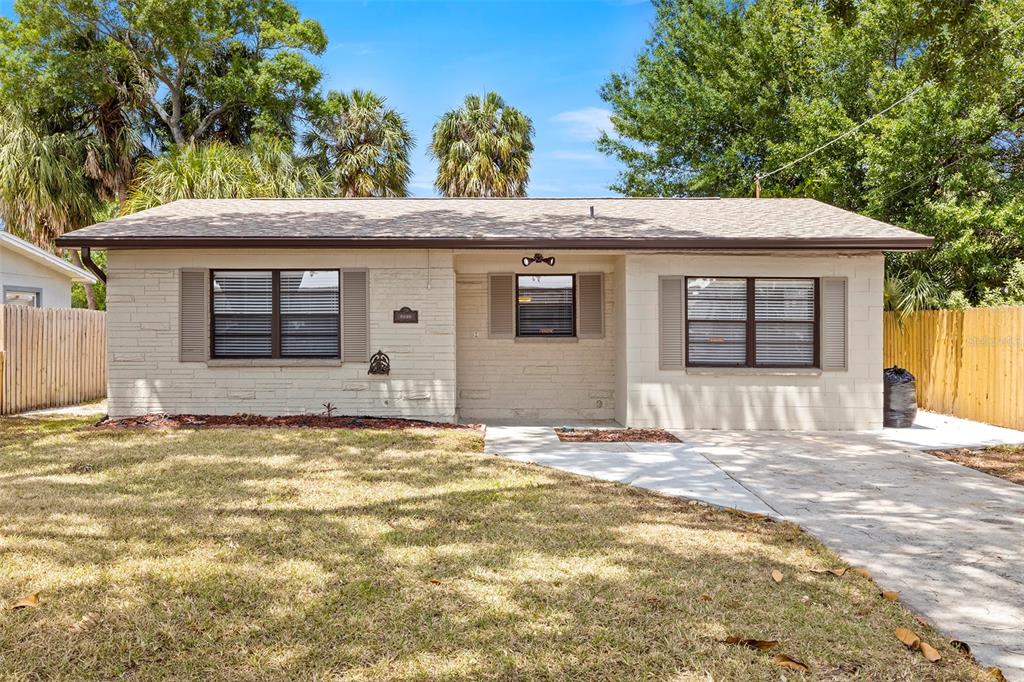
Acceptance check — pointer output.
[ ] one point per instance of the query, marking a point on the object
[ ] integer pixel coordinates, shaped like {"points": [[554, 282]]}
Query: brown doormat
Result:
{"points": [[568, 435]]}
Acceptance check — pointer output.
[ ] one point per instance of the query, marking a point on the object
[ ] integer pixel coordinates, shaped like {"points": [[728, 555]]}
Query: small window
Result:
{"points": [[29, 299], [275, 314], [545, 305], [745, 322]]}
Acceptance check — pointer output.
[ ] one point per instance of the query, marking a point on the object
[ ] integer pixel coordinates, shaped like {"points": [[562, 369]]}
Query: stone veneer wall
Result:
{"points": [[146, 376]]}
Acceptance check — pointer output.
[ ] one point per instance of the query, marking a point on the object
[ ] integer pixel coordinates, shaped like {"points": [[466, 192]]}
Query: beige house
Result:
{"points": [[32, 277], [714, 314]]}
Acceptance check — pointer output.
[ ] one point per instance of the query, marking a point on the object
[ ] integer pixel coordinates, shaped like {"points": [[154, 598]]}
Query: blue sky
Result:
{"points": [[547, 58]]}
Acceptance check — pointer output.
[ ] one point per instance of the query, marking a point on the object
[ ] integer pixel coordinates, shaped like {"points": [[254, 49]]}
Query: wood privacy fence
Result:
{"points": [[968, 363], [51, 357]]}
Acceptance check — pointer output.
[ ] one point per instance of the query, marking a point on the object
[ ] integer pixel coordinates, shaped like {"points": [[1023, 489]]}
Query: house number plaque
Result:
{"points": [[406, 316]]}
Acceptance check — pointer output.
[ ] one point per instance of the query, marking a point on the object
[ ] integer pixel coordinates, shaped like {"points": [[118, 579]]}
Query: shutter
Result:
{"points": [[834, 325], [355, 323], [193, 316], [670, 322], [590, 301], [501, 306]]}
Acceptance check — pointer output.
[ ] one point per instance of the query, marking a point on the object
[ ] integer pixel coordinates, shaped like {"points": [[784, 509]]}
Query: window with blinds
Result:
{"points": [[545, 305], [275, 314], [751, 322]]}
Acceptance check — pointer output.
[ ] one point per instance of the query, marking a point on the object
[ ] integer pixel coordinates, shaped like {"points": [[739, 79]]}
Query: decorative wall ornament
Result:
{"points": [[380, 363], [538, 258], [405, 315]]}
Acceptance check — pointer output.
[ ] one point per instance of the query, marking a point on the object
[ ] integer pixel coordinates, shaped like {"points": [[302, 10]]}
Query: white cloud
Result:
{"points": [[586, 124]]}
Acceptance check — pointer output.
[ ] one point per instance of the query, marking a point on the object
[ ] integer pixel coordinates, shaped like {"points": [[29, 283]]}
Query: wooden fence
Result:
{"points": [[51, 357], [968, 363]]}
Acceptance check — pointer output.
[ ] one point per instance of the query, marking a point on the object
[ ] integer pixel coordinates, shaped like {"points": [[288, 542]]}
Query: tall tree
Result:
{"points": [[361, 144], [724, 91], [483, 149]]}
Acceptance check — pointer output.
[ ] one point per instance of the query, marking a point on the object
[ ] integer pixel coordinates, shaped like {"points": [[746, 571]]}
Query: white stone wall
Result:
{"points": [[146, 376], [17, 271], [753, 398], [531, 380]]}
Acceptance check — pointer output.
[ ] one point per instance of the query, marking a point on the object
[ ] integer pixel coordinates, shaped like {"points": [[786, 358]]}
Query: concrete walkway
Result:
{"points": [[948, 538]]}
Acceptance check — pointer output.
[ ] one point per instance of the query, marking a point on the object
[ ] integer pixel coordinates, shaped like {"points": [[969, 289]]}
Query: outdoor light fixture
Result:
{"points": [[538, 258]]}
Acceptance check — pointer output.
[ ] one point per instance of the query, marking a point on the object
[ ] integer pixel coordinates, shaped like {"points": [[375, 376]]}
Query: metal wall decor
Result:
{"points": [[380, 363], [538, 258], [405, 315]]}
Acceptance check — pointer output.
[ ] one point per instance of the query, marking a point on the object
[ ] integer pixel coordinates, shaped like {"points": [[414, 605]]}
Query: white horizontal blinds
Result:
{"points": [[590, 294], [716, 314], [784, 322], [833, 323], [670, 323], [309, 313], [501, 305], [355, 323], [243, 314], [193, 323], [546, 305]]}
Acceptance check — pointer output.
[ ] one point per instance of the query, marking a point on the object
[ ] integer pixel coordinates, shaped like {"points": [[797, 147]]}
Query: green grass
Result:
{"points": [[374, 555]]}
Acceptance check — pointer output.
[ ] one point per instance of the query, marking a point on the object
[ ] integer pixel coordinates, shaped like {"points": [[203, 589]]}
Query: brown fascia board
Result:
{"points": [[915, 243]]}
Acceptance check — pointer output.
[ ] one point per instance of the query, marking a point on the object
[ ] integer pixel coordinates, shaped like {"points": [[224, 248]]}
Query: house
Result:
{"points": [[714, 313], [33, 277]]}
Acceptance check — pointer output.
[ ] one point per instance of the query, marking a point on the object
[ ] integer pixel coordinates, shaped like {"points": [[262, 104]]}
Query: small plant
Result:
{"points": [[329, 409]]}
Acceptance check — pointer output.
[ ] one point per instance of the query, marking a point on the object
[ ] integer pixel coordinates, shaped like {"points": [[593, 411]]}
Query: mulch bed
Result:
{"points": [[615, 436], [310, 421], [1004, 461]]}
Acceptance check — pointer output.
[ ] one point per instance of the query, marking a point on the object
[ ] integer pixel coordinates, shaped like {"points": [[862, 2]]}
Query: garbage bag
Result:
{"points": [[899, 406]]}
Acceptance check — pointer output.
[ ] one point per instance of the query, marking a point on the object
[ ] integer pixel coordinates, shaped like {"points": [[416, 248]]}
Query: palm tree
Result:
{"points": [[482, 149], [362, 144]]}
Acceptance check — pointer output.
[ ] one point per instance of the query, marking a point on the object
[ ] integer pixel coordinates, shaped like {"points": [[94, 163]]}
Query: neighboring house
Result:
{"points": [[33, 277], [731, 313]]}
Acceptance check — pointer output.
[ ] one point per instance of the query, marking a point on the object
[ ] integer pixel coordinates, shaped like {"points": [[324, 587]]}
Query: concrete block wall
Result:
{"points": [[146, 376], [753, 398]]}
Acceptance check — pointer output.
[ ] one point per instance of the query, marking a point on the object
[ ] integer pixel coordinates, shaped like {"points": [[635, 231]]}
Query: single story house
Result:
{"points": [[687, 313], [33, 277]]}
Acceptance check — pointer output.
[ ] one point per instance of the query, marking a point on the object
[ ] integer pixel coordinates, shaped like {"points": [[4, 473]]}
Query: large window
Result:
{"points": [[275, 314], [745, 322], [545, 305]]}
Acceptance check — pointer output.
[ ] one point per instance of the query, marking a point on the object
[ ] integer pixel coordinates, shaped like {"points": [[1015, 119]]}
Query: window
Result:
{"points": [[545, 305], [275, 313], [26, 297], [744, 322]]}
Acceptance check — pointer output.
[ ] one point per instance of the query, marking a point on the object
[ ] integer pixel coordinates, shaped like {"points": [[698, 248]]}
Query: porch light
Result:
{"points": [[538, 258]]}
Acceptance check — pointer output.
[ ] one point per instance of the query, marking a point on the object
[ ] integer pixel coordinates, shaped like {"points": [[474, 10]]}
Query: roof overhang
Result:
{"points": [[45, 258]]}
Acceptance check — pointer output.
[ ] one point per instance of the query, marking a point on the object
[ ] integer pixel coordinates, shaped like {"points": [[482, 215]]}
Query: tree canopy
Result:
{"points": [[724, 91]]}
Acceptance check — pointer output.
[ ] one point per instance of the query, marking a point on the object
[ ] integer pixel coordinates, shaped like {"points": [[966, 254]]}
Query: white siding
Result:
{"points": [[17, 271]]}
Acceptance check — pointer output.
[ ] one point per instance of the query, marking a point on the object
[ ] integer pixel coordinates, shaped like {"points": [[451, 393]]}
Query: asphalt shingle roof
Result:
{"points": [[491, 223]]}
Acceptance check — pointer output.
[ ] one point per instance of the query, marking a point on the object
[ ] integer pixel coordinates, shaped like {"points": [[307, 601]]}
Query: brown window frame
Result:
{"points": [[275, 311], [574, 305], [751, 325]]}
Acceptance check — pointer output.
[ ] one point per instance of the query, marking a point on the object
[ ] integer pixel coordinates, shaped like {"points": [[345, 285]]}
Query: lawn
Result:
{"points": [[393, 555]]}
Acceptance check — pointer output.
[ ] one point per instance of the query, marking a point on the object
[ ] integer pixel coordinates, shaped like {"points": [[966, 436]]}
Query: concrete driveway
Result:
{"points": [[948, 538]]}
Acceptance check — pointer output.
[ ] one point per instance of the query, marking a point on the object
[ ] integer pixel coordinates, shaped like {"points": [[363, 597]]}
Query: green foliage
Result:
{"points": [[79, 296], [957, 301], [483, 149], [217, 170], [1010, 294], [361, 144], [724, 91], [907, 292]]}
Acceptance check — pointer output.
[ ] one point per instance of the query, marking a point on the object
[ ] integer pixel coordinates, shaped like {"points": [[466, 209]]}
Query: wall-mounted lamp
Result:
{"points": [[538, 258]]}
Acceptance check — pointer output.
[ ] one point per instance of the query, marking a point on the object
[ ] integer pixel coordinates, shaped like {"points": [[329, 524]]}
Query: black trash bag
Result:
{"points": [[899, 405]]}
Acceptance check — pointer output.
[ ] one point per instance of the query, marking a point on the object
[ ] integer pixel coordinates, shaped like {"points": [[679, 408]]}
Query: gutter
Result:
{"points": [[91, 266]]}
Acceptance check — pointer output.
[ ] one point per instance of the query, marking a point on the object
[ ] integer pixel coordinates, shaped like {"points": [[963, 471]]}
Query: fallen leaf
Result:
{"points": [[861, 571], [706, 597], [838, 572], [435, 581], [889, 595], [30, 601], [777, 575], [963, 647], [921, 619], [759, 644], [996, 674], [784, 661], [929, 652], [908, 637]]}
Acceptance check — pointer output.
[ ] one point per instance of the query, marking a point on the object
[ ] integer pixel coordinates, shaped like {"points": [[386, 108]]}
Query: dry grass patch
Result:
{"points": [[1004, 461], [394, 555]]}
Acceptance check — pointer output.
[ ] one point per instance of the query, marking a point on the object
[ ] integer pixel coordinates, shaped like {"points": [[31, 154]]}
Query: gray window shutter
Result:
{"points": [[355, 316], [834, 325], [590, 305], [501, 306], [671, 323], [193, 315]]}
